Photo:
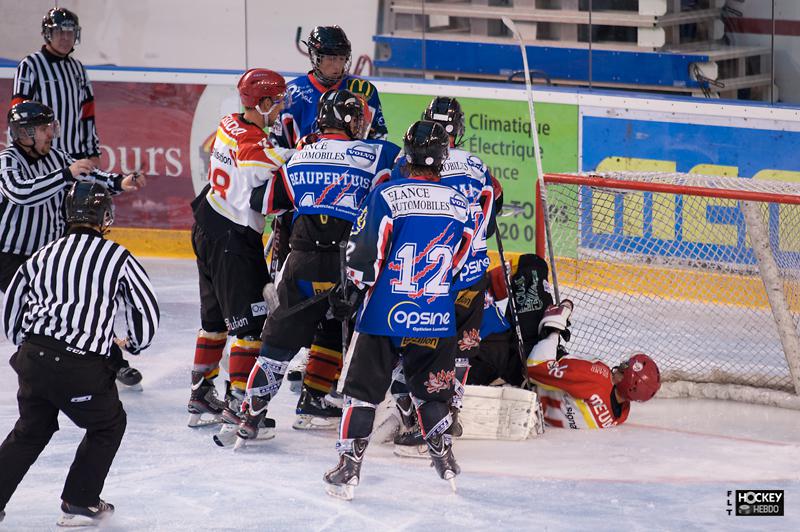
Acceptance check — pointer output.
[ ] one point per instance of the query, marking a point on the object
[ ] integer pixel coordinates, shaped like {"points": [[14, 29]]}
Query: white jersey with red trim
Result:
{"points": [[576, 393], [242, 159]]}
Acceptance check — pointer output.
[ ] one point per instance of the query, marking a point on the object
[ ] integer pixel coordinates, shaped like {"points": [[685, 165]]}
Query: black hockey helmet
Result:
{"points": [[89, 203], [341, 109], [25, 116], [447, 111], [426, 143], [62, 19], [328, 40]]}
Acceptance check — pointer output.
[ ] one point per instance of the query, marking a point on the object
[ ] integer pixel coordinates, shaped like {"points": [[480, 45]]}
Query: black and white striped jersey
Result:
{"points": [[71, 289], [32, 193], [62, 84]]}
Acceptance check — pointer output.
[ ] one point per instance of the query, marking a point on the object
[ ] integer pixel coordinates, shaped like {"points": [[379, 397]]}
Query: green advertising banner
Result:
{"points": [[499, 132]]}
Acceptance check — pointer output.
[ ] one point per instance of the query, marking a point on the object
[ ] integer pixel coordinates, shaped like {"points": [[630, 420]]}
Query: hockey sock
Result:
{"points": [[323, 368], [244, 352], [208, 352], [357, 419], [434, 417]]}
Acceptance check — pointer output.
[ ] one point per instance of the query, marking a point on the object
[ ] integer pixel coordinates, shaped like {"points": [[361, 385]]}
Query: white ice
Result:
{"points": [[669, 468]]}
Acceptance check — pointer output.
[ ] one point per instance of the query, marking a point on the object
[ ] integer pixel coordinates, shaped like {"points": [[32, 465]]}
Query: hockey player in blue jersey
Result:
{"points": [[469, 175], [411, 238], [330, 53], [325, 184]]}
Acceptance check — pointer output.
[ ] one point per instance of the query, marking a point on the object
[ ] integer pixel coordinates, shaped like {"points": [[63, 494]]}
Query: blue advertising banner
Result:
{"points": [[698, 227]]}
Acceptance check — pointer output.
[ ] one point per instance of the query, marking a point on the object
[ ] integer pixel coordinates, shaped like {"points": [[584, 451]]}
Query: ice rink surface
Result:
{"points": [[669, 468]]}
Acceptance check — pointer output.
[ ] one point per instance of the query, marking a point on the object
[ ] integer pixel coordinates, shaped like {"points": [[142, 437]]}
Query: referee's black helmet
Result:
{"points": [[89, 203]]}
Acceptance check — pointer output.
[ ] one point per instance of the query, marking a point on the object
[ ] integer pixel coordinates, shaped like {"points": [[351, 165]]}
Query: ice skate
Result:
{"points": [[340, 482], [440, 449], [205, 408], [410, 444], [249, 429], [231, 417], [129, 379], [85, 515], [297, 370], [314, 412]]}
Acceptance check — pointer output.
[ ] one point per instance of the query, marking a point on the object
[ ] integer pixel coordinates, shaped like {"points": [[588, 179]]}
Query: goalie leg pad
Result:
{"points": [[500, 413]]}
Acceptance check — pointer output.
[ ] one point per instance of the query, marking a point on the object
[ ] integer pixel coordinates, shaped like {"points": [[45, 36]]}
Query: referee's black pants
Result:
{"points": [[83, 388]]}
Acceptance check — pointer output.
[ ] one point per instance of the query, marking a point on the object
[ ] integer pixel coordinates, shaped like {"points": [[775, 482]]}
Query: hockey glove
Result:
{"points": [[556, 318], [343, 308]]}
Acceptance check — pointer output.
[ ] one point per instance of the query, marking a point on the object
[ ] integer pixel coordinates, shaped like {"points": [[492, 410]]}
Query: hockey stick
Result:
{"points": [[538, 156], [512, 308], [343, 278]]}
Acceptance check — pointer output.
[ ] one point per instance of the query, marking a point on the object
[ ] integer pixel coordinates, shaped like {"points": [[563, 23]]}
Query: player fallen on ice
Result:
{"points": [[411, 238], [325, 185], [581, 393]]}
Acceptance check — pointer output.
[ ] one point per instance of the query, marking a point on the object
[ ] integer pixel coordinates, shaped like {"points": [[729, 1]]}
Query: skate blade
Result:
{"points": [[411, 451], [452, 481], [226, 436], [264, 434], [72, 521], [197, 420], [295, 386], [129, 387], [309, 422], [338, 491]]}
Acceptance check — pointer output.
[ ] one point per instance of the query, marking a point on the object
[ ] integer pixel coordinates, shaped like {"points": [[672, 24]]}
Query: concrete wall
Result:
{"points": [[208, 34]]}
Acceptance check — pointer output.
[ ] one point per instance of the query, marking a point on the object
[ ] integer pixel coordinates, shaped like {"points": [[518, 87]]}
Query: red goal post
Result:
{"points": [[700, 272]]}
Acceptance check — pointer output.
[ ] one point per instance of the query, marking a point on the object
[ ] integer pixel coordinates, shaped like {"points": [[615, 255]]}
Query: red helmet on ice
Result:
{"points": [[259, 83], [640, 378]]}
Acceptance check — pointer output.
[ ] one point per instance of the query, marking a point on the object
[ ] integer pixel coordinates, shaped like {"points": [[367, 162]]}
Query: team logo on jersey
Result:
{"points": [[362, 155], [413, 319], [361, 86], [456, 202], [361, 221], [440, 381], [475, 162], [470, 339]]}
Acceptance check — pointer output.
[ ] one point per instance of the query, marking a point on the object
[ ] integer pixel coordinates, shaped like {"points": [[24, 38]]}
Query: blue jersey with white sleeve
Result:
{"points": [[469, 175], [299, 119], [333, 175], [409, 240]]}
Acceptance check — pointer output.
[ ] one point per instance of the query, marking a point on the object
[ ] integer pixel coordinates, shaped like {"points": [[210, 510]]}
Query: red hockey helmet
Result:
{"points": [[259, 83], [640, 378]]}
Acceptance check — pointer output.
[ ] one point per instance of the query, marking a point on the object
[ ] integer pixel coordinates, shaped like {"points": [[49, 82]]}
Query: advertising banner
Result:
{"points": [[662, 142], [499, 133]]}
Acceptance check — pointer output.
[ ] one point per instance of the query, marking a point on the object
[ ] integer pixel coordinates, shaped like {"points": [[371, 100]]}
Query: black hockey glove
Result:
{"points": [[343, 308]]}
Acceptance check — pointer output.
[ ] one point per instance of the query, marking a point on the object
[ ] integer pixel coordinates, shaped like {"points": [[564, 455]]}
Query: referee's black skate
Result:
{"points": [[204, 400], [340, 482], [130, 378], [84, 515], [440, 449]]}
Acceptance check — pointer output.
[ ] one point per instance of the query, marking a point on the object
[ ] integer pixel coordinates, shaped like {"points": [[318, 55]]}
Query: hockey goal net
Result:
{"points": [[700, 272]]}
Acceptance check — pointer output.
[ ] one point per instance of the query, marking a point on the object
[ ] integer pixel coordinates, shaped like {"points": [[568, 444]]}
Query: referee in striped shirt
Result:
{"points": [[55, 78], [34, 178], [60, 309]]}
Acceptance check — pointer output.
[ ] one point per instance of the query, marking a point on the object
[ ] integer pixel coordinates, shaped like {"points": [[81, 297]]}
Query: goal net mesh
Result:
{"points": [[663, 264]]}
